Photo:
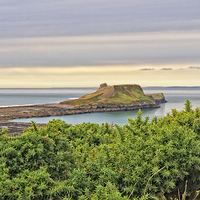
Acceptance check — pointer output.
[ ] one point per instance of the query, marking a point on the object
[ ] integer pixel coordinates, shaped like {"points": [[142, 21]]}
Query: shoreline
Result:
{"points": [[46, 110]]}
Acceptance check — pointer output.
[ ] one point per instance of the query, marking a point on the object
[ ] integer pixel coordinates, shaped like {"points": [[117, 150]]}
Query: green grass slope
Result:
{"points": [[158, 97], [116, 94]]}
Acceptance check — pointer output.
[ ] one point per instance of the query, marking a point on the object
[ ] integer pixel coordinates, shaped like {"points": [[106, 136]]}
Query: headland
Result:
{"points": [[105, 99]]}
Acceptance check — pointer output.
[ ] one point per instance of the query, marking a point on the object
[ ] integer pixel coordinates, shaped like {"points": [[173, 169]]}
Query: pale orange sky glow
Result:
{"points": [[93, 76]]}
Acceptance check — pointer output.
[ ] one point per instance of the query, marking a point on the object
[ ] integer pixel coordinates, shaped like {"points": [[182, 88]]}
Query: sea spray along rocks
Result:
{"points": [[117, 96]]}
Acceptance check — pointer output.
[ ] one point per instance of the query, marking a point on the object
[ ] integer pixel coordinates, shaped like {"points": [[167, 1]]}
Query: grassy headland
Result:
{"points": [[116, 94]]}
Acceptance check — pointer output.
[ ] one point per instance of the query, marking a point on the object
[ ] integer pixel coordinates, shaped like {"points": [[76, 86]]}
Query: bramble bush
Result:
{"points": [[92, 161]]}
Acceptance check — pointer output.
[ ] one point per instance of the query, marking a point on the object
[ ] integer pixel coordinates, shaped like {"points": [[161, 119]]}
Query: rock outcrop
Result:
{"points": [[103, 85]]}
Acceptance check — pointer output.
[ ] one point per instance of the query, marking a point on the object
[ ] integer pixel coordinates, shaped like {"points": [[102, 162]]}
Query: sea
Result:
{"points": [[175, 96]]}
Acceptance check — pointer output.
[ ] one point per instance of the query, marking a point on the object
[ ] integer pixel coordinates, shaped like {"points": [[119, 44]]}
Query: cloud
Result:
{"points": [[40, 18], [147, 69], [165, 68], [89, 77], [138, 50], [194, 67]]}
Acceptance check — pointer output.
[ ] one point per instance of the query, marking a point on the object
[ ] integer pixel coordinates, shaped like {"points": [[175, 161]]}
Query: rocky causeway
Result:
{"points": [[16, 112]]}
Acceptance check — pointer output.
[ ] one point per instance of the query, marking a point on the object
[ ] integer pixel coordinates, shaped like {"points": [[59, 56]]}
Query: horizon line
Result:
{"points": [[95, 87]]}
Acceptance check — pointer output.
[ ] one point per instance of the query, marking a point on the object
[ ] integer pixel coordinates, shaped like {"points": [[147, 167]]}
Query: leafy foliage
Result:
{"points": [[91, 161]]}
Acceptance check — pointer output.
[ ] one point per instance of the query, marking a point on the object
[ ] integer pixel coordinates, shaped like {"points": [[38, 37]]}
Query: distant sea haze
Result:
{"points": [[32, 96], [175, 96]]}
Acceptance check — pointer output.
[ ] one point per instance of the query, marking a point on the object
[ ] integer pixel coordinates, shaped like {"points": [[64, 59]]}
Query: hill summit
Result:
{"points": [[128, 94]]}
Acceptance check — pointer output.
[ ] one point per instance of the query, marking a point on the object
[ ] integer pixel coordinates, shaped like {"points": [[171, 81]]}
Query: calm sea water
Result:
{"points": [[24, 96], [176, 98]]}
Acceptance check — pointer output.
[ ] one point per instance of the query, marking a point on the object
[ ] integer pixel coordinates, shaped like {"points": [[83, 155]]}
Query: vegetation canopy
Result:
{"points": [[156, 158]]}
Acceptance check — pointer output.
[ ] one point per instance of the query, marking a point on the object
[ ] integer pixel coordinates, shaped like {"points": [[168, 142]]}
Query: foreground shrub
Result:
{"points": [[144, 159]]}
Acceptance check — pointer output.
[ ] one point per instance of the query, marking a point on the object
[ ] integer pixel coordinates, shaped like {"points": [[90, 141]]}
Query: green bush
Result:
{"points": [[91, 161]]}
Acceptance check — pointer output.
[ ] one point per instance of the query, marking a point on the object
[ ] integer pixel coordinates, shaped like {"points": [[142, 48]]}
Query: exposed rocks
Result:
{"points": [[109, 108], [14, 128], [8, 113], [103, 85]]}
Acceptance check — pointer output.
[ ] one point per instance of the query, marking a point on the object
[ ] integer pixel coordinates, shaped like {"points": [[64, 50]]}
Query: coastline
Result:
{"points": [[45, 110]]}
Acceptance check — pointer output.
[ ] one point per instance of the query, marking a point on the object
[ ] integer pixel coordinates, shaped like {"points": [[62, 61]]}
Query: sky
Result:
{"points": [[83, 43]]}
